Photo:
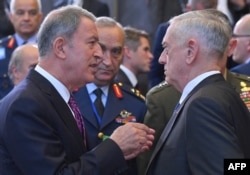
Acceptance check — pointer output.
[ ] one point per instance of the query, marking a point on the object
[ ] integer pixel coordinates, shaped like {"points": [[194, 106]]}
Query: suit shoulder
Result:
{"points": [[121, 89]]}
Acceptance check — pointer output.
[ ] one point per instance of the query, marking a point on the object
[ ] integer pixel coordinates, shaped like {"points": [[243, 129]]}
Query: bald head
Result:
{"points": [[243, 25], [201, 4], [241, 32], [22, 59]]}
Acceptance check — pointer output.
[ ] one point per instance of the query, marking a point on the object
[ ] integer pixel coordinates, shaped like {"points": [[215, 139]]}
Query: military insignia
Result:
{"points": [[164, 83], [125, 117], [11, 43], [102, 136], [117, 90], [137, 93], [245, 94]]}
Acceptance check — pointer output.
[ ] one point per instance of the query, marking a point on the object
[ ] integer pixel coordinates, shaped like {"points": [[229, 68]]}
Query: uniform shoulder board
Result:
{"points": [[162, 84], [157, 88], [128, 89], [4, 39], [242, 77]]}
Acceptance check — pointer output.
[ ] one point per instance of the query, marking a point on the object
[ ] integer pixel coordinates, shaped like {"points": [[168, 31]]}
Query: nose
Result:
{"points": [[98, 54], [26, 15], [107, 58], [162, 59], [150, 55]]}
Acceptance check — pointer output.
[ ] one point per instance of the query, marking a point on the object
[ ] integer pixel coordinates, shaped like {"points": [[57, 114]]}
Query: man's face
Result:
{"points": [[26, 17], [242, 49], [142, 57], [83, 54], [173, 58], [111, 40]]}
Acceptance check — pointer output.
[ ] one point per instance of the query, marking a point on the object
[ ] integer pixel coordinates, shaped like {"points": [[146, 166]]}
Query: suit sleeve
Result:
{"points": [[36, 147]]}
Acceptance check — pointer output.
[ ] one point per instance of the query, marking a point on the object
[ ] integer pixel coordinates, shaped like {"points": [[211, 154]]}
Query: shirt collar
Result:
{"points": [[61, 89], [20, 40], [91, 87], [193, 83], [131, 76]]}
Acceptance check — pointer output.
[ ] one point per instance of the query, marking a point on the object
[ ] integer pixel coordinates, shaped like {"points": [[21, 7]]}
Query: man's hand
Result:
{"points": [[133, 138]]}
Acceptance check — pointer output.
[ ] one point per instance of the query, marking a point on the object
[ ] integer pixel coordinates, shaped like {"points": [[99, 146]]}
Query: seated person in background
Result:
{"points": [[241, 53], [22, 60], [136, 59]]}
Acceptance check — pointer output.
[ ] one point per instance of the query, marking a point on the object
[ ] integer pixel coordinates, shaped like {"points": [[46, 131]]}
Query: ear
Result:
{"points": [[127, 52], [10, 17], [192, 50], [231, 46], [59, 47]]}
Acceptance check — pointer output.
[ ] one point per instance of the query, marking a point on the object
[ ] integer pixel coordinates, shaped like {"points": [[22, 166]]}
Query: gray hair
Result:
{"points": [[60, 22], [210, 27], [132, 37], [105, 21], [12, 4]]}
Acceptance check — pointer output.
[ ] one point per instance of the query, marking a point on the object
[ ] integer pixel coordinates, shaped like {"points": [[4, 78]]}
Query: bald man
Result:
{"points": [[23, 58], [241, 53]]}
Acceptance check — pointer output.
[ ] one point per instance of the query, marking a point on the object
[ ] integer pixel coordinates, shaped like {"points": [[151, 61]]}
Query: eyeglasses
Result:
{"points": [[240, 36]]}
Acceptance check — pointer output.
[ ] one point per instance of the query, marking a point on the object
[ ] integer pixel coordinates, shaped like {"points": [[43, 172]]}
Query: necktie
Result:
{"points": [[98, 102], [24, 42], [78, 117]]}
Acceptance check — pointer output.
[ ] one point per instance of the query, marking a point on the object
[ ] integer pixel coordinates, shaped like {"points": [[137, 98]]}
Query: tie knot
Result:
{"points": [[98, 92]]}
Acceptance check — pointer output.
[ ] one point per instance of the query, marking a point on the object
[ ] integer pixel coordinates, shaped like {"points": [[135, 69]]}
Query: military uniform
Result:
{"points": [[7, 46], [161, 101], [124, 104]]}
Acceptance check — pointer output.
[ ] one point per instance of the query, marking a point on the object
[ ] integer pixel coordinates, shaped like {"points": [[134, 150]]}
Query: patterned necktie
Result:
{"points": [[98, 102], [78, 117]]}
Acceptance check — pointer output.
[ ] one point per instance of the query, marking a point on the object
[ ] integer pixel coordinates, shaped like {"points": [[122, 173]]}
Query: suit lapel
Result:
{"points": [[176, 114], [111, 111], [85, 105], [59, 104]]}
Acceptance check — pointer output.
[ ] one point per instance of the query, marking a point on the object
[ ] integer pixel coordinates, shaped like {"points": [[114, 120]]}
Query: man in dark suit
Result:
{"points": [[241, 53], [41, 131], [156, 74], [209, 123], [25, 17], [120, 104], [136, 59]]}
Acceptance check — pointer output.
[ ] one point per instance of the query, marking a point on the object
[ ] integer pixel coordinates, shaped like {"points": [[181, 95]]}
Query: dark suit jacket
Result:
{"points": [[161, 101], [130, 102], [96, 7], [242, 69], [7, 46], [38, 135], [210, 125]]}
